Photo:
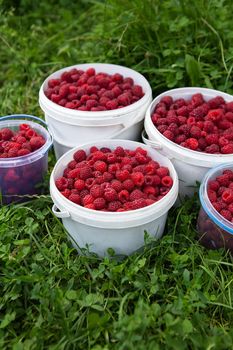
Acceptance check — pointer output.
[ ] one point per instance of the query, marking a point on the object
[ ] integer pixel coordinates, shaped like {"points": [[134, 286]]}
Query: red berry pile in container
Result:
{"points": [[220, 193], [21, 176], [91, 91], [196, 124], [114, 180], [17, 143]]}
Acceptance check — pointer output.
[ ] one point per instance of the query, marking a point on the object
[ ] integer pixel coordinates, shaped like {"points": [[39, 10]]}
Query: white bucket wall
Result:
{"points": [[71, 128], [191, 166], [122, 231]]}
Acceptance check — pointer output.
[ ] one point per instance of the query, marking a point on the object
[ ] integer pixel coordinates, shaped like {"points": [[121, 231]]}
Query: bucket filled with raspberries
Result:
{"points": [[24, 146], [215, 220], [110, 193], [94, 102], [194, 128]]}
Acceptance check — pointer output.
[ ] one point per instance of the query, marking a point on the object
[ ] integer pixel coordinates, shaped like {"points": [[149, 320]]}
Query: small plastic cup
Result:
{"points": [[213, 229], [20, 177]]}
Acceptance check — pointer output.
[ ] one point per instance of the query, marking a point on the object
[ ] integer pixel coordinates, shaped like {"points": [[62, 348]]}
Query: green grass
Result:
{"points": [[174, 294]]}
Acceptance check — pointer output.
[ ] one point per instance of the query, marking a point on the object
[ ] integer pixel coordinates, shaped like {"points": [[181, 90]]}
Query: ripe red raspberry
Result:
{"points": [[167, 181], [75, 198], [79, 184], [96, 191], [213, 185], [84, 193], [110, 194], [117, 185], [150, 190], [79, 155], [61, 183], [215, 115], [227, 149], [227, 196], [136, 204], [136, 194], [137, 178], [114, 205], [226, 214], [223, 180], [13, 152], [6, 134], [128, 185], [162, 171], [99, 203], [212, 195], [36, 142], [122, 175], [66, 193], [167, 100], [192, 143], [212, 149], [119, 151], [123, 196], [195, 132], [216, 102], [197, 100], [85, 172], [169, 135], [100, 166], [23, 152], [88, 199]]}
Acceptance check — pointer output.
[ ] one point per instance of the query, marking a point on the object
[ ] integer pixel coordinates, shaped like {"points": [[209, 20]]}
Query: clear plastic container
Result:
{"points": [[214, 230], [21, 177]]}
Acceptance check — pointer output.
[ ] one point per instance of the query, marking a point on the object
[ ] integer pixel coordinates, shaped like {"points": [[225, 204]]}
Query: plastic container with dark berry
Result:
{"points": [[24, 146], [194, 128], [215, 220]]}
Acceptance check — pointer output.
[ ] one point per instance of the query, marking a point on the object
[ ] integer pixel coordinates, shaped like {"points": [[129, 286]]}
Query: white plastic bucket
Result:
{"points": [[71, 128], [122, 231], [191, 166]]}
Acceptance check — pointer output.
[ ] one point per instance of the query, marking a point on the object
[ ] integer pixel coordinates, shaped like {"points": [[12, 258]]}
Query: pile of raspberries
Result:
{"points": [[196, 124], [19, 143], [220, 193], [114, 180], [91, 91]]}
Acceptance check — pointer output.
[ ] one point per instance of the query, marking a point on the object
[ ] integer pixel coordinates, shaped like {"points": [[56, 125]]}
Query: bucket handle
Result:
{"points": [[60, 213], [24, 116], [153, 144]]}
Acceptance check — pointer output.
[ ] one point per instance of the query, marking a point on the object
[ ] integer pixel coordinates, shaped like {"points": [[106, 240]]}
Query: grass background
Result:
{"points": [[173, 295]]}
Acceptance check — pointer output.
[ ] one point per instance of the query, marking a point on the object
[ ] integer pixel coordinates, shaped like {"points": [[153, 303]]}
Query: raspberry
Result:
{"points": [[66, 193], [136, 204], [22, 152], [212, 195], [96, 191], [227, 149], [215, 102], [99, 203], [123, 196], [227, 196], [167, 181], [213, 185], [192, 143], [75, 198], [136, 194], [137, 178], [13, 152], [79, 184], [223, 180], [100, 166], [128, 185], [79, 155], [114, 205], [119, 151], [212, 149], [214, 115], [197, 100], [61, 183], [88, 199], [198, 113], [6, 134], [36, 142], [226, 214], [162, 171], [167, 100], [195, 132], [110, 194], [169, 135], [150, 190], [122, 175], [85, 172]]}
